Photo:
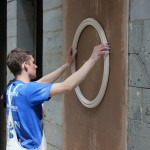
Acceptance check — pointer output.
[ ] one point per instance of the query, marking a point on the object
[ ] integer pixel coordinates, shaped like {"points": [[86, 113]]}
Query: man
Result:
{"points": [[24, 98]]}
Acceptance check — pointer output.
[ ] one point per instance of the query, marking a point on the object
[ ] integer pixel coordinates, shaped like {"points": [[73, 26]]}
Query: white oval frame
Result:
{"points": [[92, 22]]}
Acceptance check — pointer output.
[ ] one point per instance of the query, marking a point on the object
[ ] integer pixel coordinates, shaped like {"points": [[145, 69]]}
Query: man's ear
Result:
{"points": [[24, 66]]}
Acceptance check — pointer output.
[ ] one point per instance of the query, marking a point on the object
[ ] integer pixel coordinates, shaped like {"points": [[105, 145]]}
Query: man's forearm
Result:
{"points": [[51, 77], [76, 78]]}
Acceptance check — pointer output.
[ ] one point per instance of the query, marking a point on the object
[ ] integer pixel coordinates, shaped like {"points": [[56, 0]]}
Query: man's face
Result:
{"points": [[31, 67]]}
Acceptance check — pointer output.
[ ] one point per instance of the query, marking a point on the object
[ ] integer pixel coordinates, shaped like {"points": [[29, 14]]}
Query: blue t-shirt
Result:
{"points": [[26, 109]]}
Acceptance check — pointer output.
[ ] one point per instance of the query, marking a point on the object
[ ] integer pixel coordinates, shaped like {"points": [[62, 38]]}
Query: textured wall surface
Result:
{"points": [[139, 75], [52, 59], [11, 30], [25, 24], [20, 23], [103, 127]]}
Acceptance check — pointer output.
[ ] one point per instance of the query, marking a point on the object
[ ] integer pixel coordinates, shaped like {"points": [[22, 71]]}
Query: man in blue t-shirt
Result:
{"points": [[24, 98]]}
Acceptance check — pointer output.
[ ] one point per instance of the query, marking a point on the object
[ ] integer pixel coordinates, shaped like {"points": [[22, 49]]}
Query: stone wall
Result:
{"points": [[20, 24], [11, 29], [52, 59], [139, 75]]}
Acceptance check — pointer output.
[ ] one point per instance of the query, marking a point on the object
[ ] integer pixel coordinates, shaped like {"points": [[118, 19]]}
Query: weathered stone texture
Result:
{"points": [[135, 30], [146, 106], [139, 75], [138, 135], [135, 103], [139, 9], [52, 20], [51, 4], [52, 59], [139, 70]]}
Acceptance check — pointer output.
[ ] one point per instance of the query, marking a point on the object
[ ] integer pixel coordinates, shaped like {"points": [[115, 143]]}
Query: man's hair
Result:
{"points": [[16, 58]]}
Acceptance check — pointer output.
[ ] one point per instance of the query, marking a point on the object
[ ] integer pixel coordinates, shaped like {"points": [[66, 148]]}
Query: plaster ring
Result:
{"points": [[92, 22]]}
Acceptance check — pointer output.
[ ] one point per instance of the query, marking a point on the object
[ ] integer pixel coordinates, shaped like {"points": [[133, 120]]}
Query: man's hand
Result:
{"points": [[99, 50], [70, 57]]}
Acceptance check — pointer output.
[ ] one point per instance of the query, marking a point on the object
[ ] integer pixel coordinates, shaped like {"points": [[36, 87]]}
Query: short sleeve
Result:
{"points": [[37, 93]]}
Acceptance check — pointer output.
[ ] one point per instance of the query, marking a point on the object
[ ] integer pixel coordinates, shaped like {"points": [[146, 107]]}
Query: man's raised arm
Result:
{"points": [[51, 77], [75, 79]]}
